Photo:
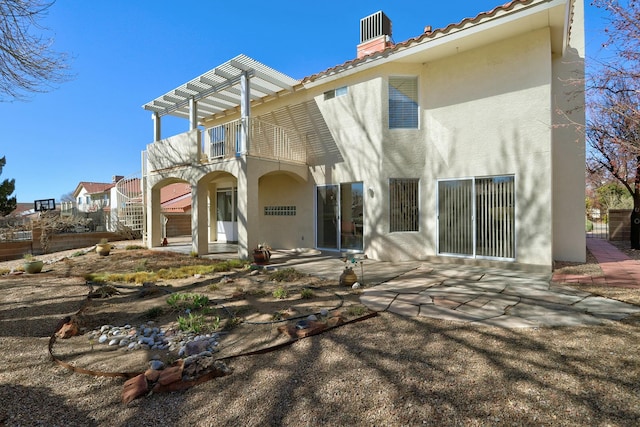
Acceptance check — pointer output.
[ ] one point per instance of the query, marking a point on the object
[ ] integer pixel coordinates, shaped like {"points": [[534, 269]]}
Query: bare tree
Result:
{"points": [[27, 62], [613, 109], [67, 197]]}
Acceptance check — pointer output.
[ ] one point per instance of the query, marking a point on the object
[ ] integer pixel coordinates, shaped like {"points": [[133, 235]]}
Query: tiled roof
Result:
{"points": [[428, 34], [22, 208], [179, 205], [174, 191], [96, 187]]}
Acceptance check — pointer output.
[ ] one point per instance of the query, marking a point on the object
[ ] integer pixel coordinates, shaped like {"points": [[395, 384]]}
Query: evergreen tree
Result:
{"points": [[7, 204]]}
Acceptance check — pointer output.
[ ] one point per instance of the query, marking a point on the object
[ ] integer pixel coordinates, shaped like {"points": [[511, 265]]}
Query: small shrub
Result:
{"points": [[153, 313], [77, 254], [280, 293], [133, 247], [232, 322], [95, 277], [192, 323], [258, 292], [356, 310], [142, 265], [307, 293], [213, 287], [193, 254], [4, 271], [589, 226], [181, 302], [286, 275]]}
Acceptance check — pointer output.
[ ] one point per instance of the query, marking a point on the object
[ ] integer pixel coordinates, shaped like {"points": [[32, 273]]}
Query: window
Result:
{"points": [[403, 102], [216, 136], [333, 93], [476, 217], [404, 204]]}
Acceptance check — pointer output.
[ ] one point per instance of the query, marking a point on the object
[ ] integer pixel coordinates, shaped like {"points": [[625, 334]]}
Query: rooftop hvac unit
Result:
{"points": [[374, 25]]}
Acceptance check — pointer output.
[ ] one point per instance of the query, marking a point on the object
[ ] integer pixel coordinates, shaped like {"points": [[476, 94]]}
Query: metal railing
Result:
{"points": [[266, 140], [129, 206]]}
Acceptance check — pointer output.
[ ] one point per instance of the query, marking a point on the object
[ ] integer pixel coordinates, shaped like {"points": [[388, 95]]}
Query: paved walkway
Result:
{"points": [[486, 296], [506, 298]]}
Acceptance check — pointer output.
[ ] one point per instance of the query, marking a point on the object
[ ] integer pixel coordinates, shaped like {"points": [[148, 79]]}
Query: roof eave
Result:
{"points": [[440, 44]]}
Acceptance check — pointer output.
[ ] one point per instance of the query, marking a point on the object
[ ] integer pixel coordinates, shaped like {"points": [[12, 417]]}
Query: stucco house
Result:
{"points": [[452, 145]]}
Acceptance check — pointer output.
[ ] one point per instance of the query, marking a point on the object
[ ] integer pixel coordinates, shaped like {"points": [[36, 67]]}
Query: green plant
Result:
{"points": [[77, 254], [356, 310], [286, 275], [153, 313], [142, 265], [29, 257], [307, 293], [589, 226], [133, 247], [193, 254], [103, 241], [231, 323], [192, 323], [181, 302], [280, 293]]}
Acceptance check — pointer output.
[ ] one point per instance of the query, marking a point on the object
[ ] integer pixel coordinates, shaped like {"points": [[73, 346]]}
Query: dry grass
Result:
{"points": [[389, 370]]}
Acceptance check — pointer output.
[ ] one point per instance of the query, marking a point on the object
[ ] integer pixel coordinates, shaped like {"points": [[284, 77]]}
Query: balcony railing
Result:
{"points": [[266, 140]]}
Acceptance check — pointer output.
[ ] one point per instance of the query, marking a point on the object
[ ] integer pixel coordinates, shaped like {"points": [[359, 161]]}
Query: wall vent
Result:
{"points": [[374, 25]]}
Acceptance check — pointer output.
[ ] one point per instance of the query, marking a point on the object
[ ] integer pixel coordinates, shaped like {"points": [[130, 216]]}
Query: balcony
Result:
{"points": [[266, 140]]}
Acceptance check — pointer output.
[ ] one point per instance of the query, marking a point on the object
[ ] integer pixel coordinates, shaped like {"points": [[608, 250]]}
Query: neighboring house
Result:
{"points": [[93, 196], [176, 209], [107, 204], [455, 144]]}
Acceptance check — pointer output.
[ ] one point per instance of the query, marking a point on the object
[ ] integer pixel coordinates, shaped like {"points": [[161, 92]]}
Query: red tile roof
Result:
{"points": [[428, 34], [180, 205], [96, 187], [174, 191]]}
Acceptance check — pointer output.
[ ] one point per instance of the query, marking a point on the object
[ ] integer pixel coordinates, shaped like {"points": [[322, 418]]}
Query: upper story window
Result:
{"points": [[334, 93], [403, 103]]}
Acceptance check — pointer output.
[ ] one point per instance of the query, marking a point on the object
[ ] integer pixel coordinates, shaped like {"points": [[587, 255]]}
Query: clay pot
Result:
{"points": [[348, 277], [103, 249], [33, 267], [261, 256]]}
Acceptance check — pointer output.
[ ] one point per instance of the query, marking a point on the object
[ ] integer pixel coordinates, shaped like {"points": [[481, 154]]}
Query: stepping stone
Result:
{"points": [[404, 309], [443, 313], [377, 301]]}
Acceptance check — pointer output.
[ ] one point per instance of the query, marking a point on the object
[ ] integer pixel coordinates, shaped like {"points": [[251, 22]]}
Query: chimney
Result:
{"points": [[116, 178], [375, 34]]}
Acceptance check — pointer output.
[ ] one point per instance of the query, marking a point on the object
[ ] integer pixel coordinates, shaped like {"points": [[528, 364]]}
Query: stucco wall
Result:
{"points": [[484, 112], [569, 146]]}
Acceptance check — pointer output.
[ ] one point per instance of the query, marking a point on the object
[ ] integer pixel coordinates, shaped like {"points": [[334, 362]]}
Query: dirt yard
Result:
{"points": [[386, 370]]}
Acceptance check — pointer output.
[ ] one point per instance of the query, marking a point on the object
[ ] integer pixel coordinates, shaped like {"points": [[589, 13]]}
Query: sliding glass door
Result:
{"points": [[476, 217], [339, 216]]}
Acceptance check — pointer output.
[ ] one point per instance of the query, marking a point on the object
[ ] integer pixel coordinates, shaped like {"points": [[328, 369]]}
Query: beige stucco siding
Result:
{"points": [[487, 113], [569, 146], [483, 112], [286, 231]]}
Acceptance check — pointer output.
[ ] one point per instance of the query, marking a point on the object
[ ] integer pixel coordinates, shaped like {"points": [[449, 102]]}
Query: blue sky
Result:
{"points": [[126, 53]]}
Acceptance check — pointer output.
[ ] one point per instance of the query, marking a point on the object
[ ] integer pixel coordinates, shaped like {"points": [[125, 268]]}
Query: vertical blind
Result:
{"points": [[403, 102], [476, 217], [404, 205]]}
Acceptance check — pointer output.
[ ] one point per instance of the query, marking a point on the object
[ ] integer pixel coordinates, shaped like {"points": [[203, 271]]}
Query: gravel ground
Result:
{"points": [[388, 370]]}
